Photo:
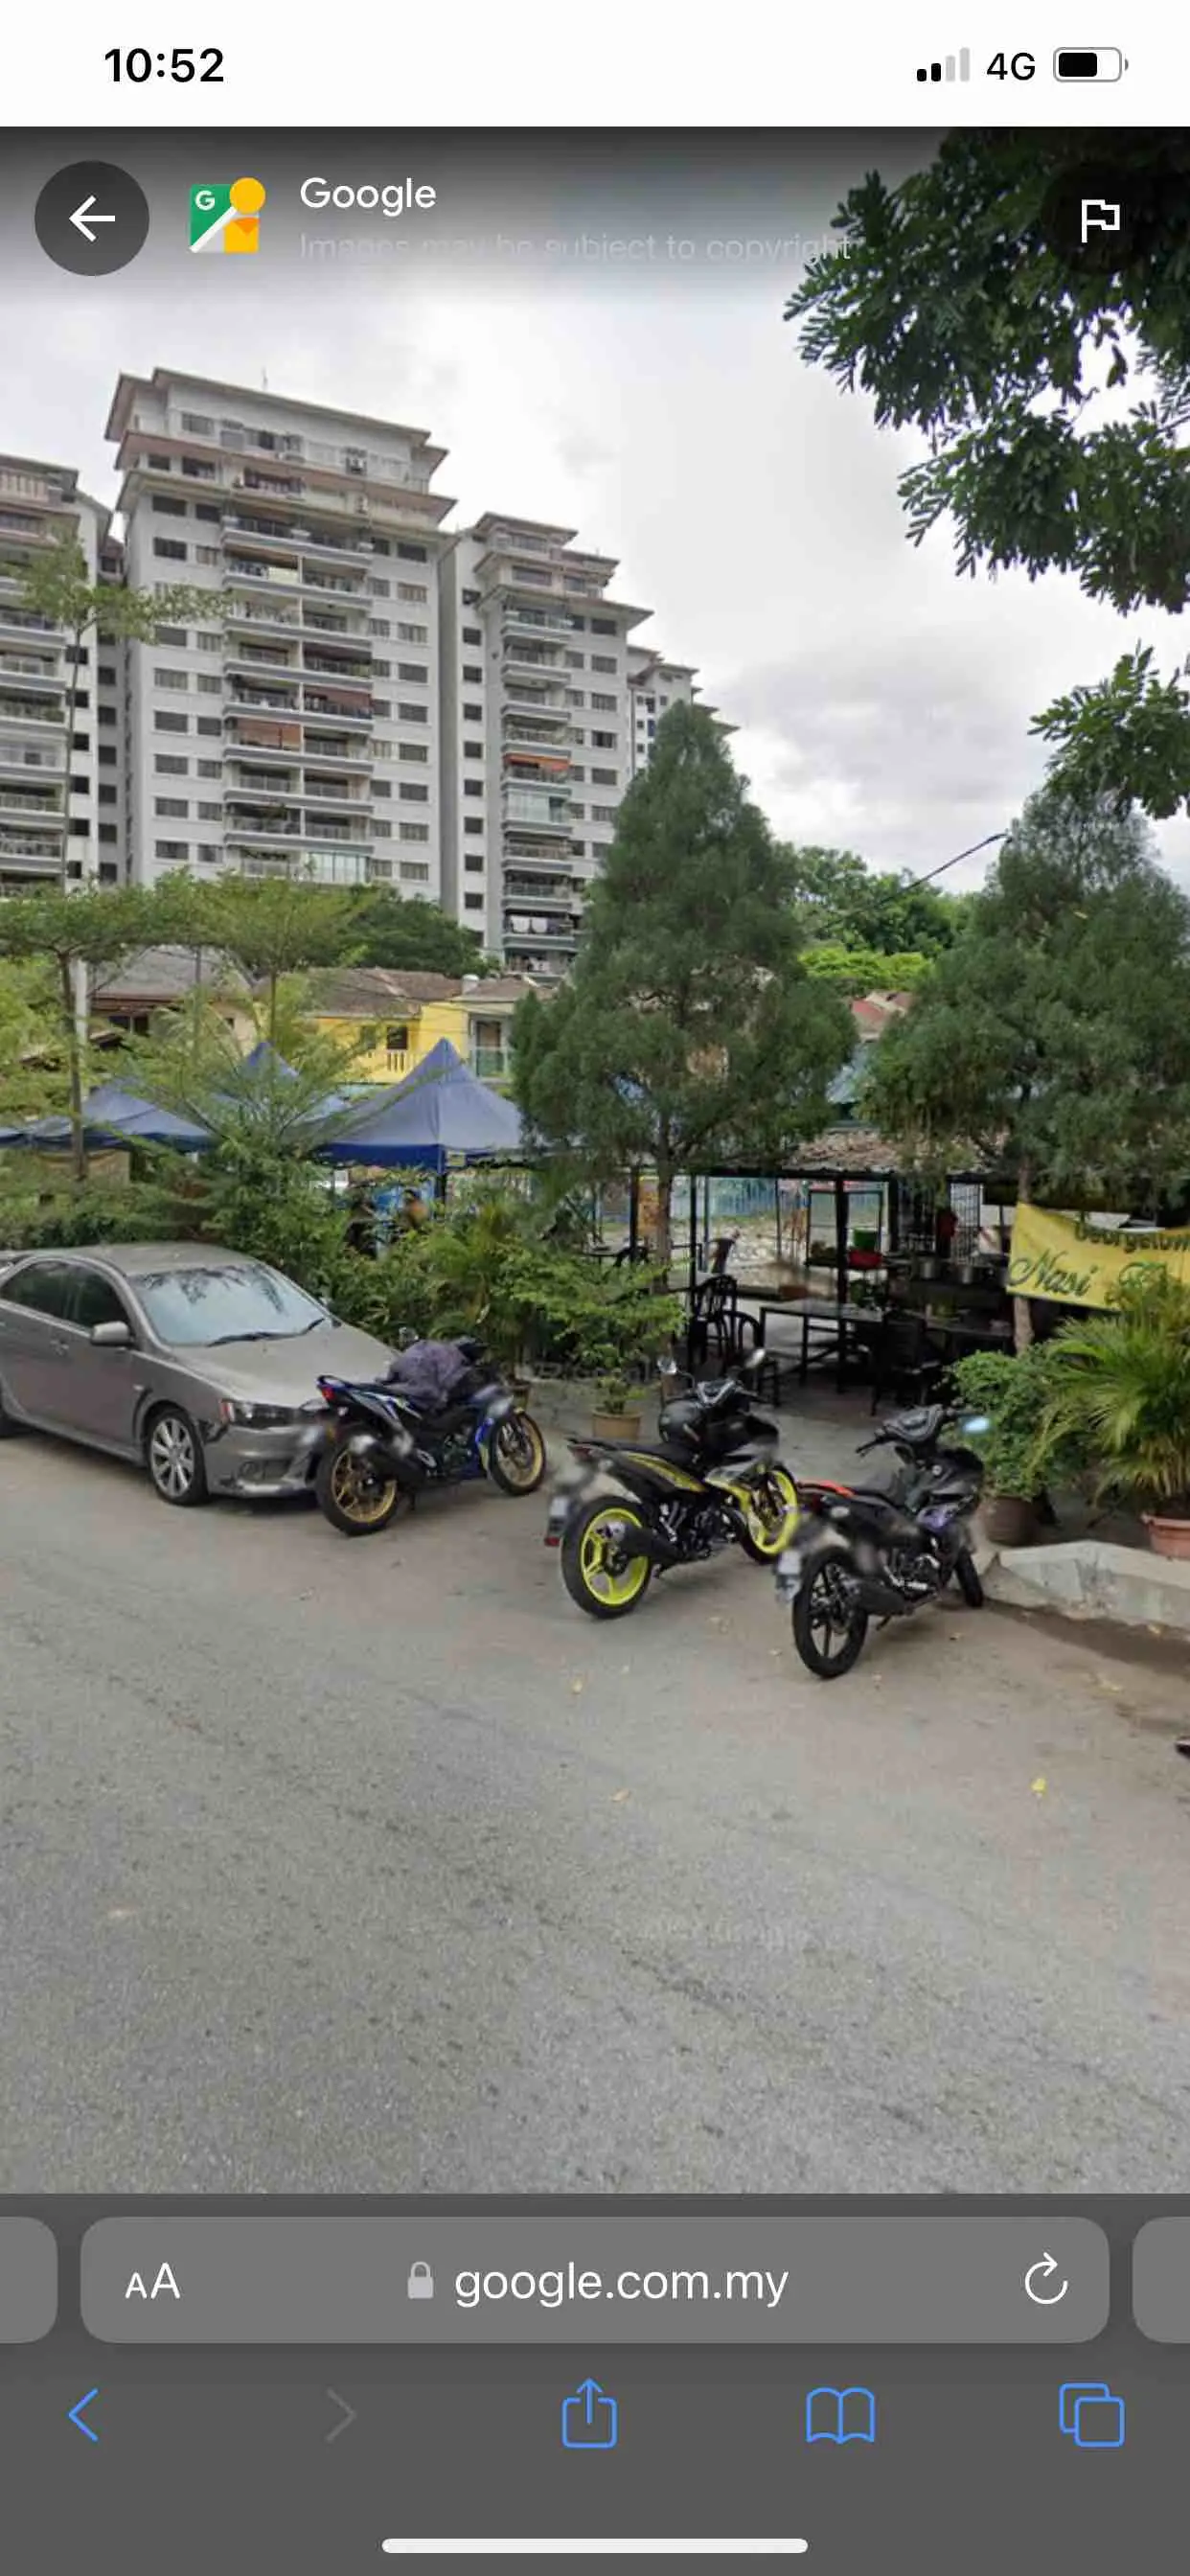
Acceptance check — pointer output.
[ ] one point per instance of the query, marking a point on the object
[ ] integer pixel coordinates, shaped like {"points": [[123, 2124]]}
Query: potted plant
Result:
{"points": [[1122, 1391], [617, 1411], [1021, 1449]]}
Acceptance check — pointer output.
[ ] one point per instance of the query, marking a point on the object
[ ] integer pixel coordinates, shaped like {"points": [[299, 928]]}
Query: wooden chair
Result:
{"points": [[717, 1324]]}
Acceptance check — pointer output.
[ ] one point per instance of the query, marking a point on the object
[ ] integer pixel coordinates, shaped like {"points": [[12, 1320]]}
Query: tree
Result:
{"points": [[31, 1046], [867, 970], [689, 1028], [396, 930], [841, 899], [1055, 1035], [75, 940], [58, 587], [276, 927], [1052, 384]]}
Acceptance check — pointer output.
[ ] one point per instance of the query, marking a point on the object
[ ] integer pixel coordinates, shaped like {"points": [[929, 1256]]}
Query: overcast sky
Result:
{"points": [[883, 703]]}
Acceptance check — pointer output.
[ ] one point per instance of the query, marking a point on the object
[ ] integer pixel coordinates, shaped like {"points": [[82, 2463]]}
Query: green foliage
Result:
{"points": [[56, 584], [840, 900], [1120, 1393], [395, 930], [1054, 393], [140, 1212], [1055, 1036], [1021, 1456], [1127, 738], [277, 927], [867, 970], [31, 1045], [689, 1028]]}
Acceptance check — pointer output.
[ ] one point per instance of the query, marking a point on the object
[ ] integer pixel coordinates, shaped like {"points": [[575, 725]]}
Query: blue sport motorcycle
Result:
{"points": [[445, 1422]]}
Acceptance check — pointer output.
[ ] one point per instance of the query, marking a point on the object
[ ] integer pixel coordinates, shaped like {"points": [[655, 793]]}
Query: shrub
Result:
{"points": [[1120, 1393], [1022, 1451]]}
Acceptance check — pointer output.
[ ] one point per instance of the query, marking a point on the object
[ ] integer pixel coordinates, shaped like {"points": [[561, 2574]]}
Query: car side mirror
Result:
{"points": [[112, 1337]]}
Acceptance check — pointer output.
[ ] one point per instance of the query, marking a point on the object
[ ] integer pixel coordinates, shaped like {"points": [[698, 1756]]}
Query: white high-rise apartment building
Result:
{"points": [[297, 730], [655, 685], [536, 741], [49, 813]]}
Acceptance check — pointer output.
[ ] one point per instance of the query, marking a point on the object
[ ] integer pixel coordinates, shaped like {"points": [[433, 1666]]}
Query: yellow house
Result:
{"points": [[408, 1013], [405, 1014]]}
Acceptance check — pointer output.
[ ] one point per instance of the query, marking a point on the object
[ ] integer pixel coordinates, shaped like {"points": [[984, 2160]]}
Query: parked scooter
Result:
{"points": [[622, 1511], [861, 1553]]}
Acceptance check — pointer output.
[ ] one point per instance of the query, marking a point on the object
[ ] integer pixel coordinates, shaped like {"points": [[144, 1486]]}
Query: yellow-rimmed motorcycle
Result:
{"points": [[622, 1512]]}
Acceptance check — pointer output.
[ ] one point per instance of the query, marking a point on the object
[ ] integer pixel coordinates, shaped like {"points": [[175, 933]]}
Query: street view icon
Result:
{"points": [[840, 2415], [226, 218]]}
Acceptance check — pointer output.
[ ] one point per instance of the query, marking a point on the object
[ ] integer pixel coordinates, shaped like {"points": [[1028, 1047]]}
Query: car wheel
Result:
{"points": [[173, 1456], [8, 1428]]}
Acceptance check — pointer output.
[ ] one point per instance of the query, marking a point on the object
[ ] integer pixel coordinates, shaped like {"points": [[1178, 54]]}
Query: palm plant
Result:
{"points": [[1121, 1395]]}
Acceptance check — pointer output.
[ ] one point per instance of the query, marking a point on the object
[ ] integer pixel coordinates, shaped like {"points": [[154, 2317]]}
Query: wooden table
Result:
{"points": [[823, 1312]]}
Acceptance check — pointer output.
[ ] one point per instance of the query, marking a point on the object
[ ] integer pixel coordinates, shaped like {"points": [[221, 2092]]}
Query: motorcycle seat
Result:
{"points": [[917, 1429]]}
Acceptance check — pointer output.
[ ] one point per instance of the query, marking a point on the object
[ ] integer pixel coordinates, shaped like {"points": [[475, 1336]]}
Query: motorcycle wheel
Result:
{"points": [[351, 1496], [516, 1455], [598, 1570], [828, 1629], [966, 1575], [771, 1518]]}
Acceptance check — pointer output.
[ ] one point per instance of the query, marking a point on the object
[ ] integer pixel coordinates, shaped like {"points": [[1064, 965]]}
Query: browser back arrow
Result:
{"points": [[80, 219], [77, 2413]]}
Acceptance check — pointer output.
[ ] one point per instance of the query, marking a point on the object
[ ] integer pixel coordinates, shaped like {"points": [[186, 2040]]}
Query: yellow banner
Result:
{"points": [[1074, 1263]]}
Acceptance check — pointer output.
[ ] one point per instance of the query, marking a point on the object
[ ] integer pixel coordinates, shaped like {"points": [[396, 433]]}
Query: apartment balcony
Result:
{"points": [[492, 1064], [39, 714], [25, 621], [347, 797], [356, 711], [545, 701], [280, 784], [28, 670], [337, 583], [527, 741], [520, 664], [18, 759], [268, 620], [327, 751], [242, 695], [330, 667], [261, 574], [35, 857], [311, 866], [531, 622], [272, 743], [271, 669], [538, 895], [34, 489], [48, 815]]}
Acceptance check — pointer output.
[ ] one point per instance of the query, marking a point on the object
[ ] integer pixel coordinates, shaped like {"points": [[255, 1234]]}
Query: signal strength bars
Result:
{"points": [[952, 67]]}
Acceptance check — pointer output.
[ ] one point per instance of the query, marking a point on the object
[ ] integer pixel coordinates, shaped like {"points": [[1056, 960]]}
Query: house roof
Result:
{"points": [[368, 992], [156, 976], [498, 988]]}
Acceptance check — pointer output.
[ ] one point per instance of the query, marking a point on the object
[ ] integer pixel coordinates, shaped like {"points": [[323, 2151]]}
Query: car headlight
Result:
{"points": [[256, 1417]]}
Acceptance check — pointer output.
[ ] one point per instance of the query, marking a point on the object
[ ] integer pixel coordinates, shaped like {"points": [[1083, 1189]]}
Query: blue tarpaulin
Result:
{"points": [[440, 1114], [113, 1116]]}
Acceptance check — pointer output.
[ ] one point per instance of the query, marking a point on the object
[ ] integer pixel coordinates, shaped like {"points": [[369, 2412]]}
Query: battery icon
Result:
{"points": [[1089, 63]]}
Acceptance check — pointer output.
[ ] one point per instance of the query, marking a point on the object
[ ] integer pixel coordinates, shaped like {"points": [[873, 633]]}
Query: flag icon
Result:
{"points": [[840, 2415], [226, 218]]}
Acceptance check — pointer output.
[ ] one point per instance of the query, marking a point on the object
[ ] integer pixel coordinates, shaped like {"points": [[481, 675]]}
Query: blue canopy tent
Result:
{"points": [[113, 1116], [439, 1115]]}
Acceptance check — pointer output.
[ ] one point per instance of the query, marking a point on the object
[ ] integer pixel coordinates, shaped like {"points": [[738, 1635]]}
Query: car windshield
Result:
{"points": [[240, 1302]]}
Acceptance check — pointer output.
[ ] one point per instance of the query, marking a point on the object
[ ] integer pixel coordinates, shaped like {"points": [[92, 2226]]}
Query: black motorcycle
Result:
{"points": [[863, 1553], [377, 1445], [623, 1511]]}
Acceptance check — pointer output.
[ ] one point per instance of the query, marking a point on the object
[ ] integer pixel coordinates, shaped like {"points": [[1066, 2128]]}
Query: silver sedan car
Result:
{"points": [[202, 1364]]}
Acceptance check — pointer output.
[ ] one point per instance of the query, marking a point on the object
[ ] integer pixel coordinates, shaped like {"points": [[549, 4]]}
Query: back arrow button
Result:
{"points": [[80, 218], [91, 218], [77, 2413]]}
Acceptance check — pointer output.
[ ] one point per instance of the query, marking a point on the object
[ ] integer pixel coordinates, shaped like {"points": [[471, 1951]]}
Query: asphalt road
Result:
{"points": [[376, 1866]]}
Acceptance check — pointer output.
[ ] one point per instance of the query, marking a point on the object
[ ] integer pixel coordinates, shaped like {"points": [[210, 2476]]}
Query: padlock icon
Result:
{"points": [[421, 2281]]}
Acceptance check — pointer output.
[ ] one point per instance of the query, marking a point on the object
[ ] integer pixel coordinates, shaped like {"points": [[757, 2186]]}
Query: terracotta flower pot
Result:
{"points": [[1010, 1520], [615, 1426], [1167, 1537]]}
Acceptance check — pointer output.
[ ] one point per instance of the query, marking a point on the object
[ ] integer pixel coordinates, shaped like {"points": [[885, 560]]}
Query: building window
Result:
{"points": [[379, 589], [170, 547], [208, 643], [165, 508], [197, 425], [106, 675], [164, 722], [107, 795], [472, 671], [210, 683], [107, 755], [474, 863], [413, 715], [473, 787], [473, 824], [473, 751], [208, 768], [412, 589], [207, 724], [603, 661], [603, 626], [415, 871], [209, 850], [159, 464], [604, 778], [412, 554], [473, 635], [413, 751], [575, 661], [107, 715], [175, 807], [396, 1038], [412, 795], [171, 764], [602, 699], [210, 813], [206, 554], [381, 787], [80, 742], [205, 510], [470, 598], [412, 671], [379, 626], [603, 741], [163, 679], [171, 849], [473, 902], [409, 634], [473, 715], [414, 832]]}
